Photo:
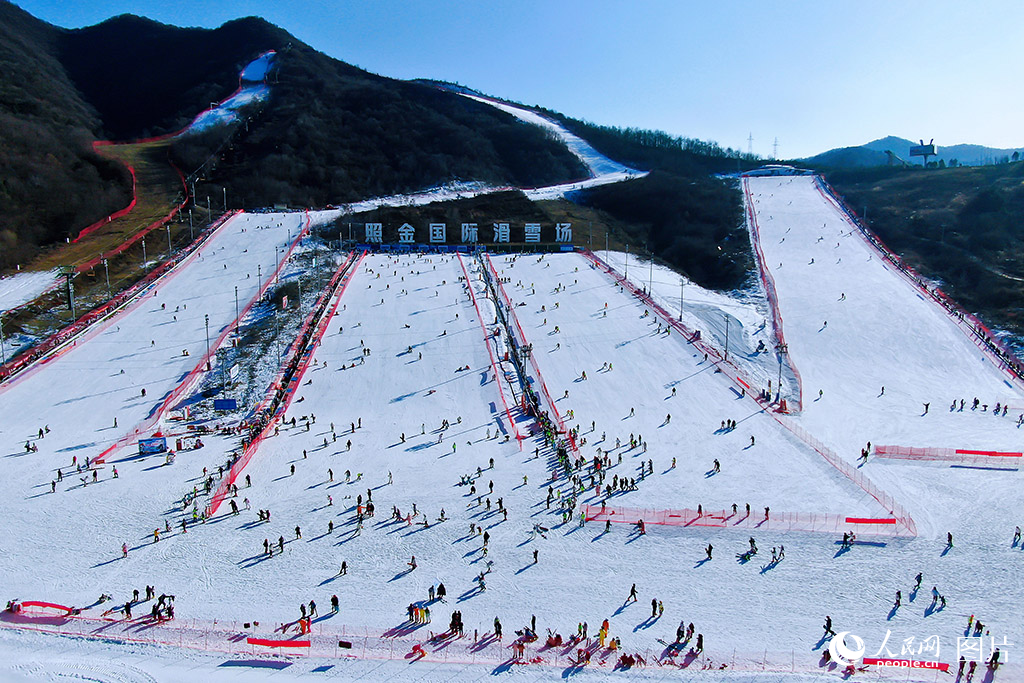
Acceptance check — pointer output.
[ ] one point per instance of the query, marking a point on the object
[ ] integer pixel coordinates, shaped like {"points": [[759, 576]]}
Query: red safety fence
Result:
{"points": [[996, 454], [23, 604], [141, 234], [330, 641], [724, 366], [95, 321], [977, 332], [524, 342], [190, 379], [768, 282], [734, 374], [268, 642], [89, 229], [954, 456], [855, 475], [167, 136], [756, 521], [490, 353], [97, 260], [281, 392]]}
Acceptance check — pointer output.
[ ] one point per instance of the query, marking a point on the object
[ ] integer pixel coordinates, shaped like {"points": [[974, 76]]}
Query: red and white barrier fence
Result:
{"points": [[1001, 460], [281, 392], [755, 521], [96, 320], [768, 282], [733, 373], [996, 351], [410, 643], [491, 354], [89, 229], [524, 343]]}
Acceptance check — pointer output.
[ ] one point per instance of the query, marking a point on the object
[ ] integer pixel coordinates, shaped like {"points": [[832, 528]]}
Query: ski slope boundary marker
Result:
{"points": [[854, 475], [189, 380], [768, 282], [95, 321], [281, 391], [490, 353], [1001, 355], [500, 289], [726, 519]]}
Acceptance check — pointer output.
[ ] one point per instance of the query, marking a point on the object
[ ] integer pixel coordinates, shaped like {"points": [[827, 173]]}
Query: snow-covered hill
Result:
{"points": [[412, 392]]}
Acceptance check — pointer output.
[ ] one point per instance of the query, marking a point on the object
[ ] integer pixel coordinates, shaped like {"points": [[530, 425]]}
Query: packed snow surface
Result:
{"points": [[406, 373], [258, 68], [251, 90], [21, 288], [602, 169]]}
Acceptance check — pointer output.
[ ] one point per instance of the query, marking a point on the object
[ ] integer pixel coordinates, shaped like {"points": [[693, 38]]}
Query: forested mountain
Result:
{"points": [[328, 133], [50, 178], [961, 226]]}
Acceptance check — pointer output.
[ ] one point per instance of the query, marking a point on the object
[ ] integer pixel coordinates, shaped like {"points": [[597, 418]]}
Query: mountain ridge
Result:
{"points": [[874, 154]]}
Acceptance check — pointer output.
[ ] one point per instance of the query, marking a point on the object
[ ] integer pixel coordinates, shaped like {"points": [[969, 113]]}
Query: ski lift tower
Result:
{"points": [[923, 150], [69, 273]]}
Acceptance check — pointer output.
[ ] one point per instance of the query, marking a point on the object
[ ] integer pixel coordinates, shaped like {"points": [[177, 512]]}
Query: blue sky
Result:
{"points": [[815, 75]]}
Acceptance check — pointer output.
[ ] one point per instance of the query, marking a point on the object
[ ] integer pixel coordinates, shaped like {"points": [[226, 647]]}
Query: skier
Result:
{"points": [[828, 626], [708, 550], [899, 600], [632, 593]]}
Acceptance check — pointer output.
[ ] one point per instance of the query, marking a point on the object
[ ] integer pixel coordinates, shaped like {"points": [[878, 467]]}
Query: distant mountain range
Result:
{"points": [[874, 154]]}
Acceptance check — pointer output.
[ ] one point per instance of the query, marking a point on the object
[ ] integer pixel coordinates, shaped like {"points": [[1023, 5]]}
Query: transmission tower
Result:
{"points": [[775, 150], [750, 144]]}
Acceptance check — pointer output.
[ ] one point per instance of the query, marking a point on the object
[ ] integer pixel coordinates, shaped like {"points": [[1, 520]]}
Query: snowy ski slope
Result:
{"points": [[602, 169], [65, 546], [21, 288]]}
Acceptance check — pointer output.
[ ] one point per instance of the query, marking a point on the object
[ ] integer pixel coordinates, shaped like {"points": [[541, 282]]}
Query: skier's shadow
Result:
{"points": [[892, 612], [701, 563], [400, 575], [471, 593], [622, 608], [646, 623]]}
